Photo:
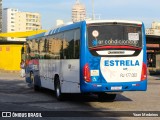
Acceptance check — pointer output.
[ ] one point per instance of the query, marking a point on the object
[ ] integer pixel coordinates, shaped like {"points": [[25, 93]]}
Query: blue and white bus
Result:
{"points": [[104, 57]]}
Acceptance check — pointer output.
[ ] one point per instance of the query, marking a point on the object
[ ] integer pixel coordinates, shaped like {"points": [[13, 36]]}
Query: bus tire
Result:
{"points": [[106, 97], [59, 95], [35, 87]]}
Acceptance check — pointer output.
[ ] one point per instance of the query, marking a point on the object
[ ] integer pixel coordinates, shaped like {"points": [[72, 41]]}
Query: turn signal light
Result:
{"points": [[144, 72], [86, 73]]}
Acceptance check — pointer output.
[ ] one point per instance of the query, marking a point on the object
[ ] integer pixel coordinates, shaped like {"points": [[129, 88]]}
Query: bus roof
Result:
{"points": [[77, 25], [64, 28], [36, 36], [57, 30], [113, 21]]}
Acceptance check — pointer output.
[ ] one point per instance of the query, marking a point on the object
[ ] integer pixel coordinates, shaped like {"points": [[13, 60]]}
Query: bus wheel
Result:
{"points": [[106, 97], [36, 88], [59, 95]]}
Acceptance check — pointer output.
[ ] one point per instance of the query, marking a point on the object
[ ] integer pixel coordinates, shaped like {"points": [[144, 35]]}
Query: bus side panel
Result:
{"points": [[83, 55], [67, 70], [32, 66], [70, 82], [144, 45], [28, 70], [27, 77], [47, 71]]}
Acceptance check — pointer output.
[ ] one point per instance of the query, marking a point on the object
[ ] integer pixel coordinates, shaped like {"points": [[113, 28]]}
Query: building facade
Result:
{"points": [[78, 12], [153, 45], [154, 30], [17, 21]]}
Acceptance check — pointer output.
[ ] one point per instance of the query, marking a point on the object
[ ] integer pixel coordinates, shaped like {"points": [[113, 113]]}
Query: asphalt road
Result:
{"points": [[16, 95]]}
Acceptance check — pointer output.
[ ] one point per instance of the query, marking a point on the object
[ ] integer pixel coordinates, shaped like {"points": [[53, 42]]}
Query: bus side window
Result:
{"points": [[60, 45], [77, 44], [41, 48], [46, 49], [35, 50], [68, 44]]}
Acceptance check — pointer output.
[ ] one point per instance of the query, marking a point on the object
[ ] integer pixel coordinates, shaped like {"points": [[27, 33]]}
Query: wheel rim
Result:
{"points": [[57, 91], [32, 78]]}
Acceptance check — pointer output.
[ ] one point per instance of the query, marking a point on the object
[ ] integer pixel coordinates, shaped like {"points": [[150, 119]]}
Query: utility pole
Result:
{"points": [[93, 15]]}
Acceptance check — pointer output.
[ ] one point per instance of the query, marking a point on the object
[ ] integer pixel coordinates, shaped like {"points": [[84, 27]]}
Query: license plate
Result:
{"points": [[116, 88]]}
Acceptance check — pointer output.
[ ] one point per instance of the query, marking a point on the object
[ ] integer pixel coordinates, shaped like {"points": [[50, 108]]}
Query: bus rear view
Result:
{"points": [[116, 58]]}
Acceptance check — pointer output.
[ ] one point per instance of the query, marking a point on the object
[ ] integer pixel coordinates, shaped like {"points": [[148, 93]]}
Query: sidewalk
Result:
{"points": [[153, 77], [10, 75]]}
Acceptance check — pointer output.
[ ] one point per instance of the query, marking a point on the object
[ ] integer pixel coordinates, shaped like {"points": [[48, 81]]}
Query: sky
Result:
{"points": [[51, 10]]}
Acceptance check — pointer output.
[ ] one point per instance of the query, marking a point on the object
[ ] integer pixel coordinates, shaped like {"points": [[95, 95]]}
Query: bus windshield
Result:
{"points": [[114, 35]]}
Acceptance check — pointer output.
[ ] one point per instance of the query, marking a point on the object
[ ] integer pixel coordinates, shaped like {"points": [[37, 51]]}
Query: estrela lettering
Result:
{"points": [[121, 63]]}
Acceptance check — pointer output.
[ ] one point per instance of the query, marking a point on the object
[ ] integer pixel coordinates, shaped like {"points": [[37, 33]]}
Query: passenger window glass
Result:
{"points": [[71, 44]]}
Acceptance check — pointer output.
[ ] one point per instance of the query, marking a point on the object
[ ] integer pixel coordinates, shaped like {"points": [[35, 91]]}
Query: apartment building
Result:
{"points": [[154, 30], [78, 12], [17, 21]]}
